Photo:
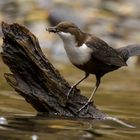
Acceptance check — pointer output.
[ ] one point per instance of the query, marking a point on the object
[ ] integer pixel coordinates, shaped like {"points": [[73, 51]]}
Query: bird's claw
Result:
{"points": [[70, 90], [85, 105]]}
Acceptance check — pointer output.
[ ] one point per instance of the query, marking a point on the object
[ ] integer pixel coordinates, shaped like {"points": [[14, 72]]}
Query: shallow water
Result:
{"points": [[118, 96]]}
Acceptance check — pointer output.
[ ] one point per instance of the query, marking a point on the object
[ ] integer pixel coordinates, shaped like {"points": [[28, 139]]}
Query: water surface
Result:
{"points": [[118, 96]]}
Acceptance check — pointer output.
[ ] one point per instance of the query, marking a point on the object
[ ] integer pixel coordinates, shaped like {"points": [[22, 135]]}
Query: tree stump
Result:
{"points": [[36, 79]]}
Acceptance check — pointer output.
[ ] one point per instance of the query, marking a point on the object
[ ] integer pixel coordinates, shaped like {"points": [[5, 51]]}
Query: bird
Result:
{"points": [[91, 54]]}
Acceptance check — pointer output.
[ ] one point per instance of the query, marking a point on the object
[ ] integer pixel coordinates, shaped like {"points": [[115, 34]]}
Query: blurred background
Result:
{"points": [[115, 21]]}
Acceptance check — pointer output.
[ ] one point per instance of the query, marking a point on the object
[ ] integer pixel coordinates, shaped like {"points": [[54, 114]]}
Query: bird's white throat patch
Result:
{"points": [[64, 35], [77, 54]]}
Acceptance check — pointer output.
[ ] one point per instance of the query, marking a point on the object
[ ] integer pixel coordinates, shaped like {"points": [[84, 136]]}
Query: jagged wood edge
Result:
{"points": [[35, 78]]}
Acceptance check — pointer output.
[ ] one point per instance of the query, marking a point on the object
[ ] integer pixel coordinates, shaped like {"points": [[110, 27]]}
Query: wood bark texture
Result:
{"points": [[36, 79]]}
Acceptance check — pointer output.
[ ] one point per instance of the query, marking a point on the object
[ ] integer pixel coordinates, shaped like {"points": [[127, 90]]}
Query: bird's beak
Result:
{"points": [[52, 29]]}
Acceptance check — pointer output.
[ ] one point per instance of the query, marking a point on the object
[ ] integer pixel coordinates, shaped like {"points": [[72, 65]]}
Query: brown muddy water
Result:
{"points": [[118, 96]]}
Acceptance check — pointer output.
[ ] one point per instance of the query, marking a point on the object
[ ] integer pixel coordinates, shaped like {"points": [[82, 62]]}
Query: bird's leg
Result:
{"points": [[92, 95], [77, 83]]}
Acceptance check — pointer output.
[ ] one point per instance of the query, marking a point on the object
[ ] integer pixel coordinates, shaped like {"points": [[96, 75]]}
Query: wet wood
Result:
{"points": [[36, 79]]}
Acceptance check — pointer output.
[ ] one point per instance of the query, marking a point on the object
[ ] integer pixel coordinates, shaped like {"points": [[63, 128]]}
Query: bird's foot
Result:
{"points": [[70, 90], [84, 106]]}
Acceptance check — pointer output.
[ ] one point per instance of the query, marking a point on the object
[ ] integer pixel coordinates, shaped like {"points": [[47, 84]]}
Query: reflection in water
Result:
{"points": [[118, 95], [119, 121], [34, 137], [113, 98], [42, 127], [3, 120]]}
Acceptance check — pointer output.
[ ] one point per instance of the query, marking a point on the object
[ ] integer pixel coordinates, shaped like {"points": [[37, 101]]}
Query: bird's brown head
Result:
{"points": [[66, 30]]}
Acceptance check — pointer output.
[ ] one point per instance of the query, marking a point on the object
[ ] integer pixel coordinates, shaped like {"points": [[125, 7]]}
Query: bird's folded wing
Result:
{"points": [[104, 53]]}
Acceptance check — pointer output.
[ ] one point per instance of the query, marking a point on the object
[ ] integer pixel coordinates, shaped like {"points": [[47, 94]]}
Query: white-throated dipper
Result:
{"points": [[91, 54]]}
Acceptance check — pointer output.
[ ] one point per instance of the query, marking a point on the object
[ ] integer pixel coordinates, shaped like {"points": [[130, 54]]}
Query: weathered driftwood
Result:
{"points": [[34, 77]]}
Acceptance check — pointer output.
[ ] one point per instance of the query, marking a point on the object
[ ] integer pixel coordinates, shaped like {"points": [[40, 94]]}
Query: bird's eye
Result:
{"points": [[65, 29]]}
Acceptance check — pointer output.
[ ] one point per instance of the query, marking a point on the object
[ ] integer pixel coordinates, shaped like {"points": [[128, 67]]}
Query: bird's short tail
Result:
{"points": [[130, 50]]}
